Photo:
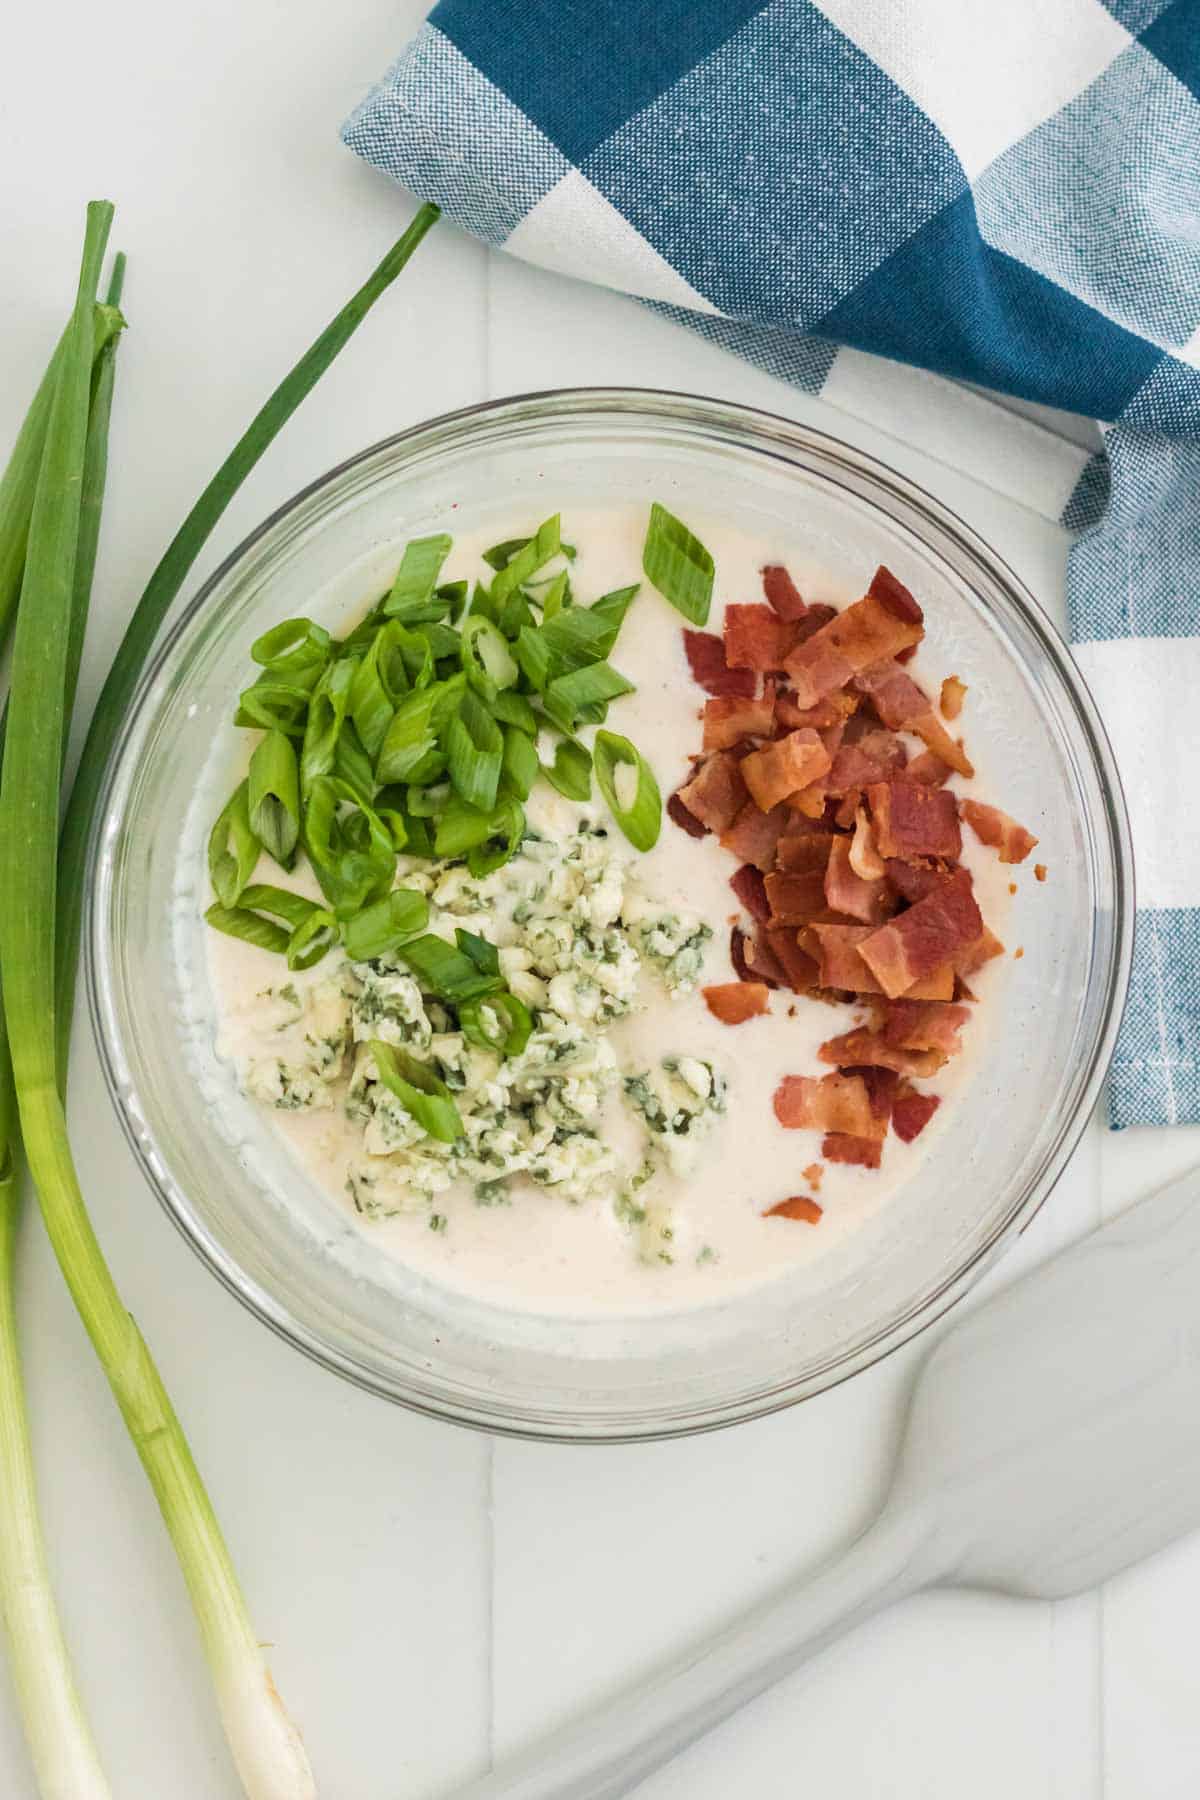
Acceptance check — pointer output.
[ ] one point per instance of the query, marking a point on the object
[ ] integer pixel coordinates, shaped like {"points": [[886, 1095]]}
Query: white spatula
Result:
{"points": [[1054, 1439]]}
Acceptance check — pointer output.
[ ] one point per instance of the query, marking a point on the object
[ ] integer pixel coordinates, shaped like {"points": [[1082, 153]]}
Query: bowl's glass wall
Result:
{"points": [[280, 1242]]}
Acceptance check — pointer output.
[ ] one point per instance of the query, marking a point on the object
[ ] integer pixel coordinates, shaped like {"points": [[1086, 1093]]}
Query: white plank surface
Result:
{"points": [[432, 1596]]}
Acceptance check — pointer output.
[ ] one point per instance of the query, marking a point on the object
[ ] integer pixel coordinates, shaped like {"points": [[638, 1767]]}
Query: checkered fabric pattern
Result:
{"points": [[1005, 195]]}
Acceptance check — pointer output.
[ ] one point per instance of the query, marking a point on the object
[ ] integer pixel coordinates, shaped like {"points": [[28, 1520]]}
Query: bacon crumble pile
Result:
{"points": [[848, 850]]}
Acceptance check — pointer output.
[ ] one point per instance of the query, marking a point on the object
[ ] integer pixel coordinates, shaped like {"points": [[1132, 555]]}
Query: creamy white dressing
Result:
{"points": [[539, 1252]]}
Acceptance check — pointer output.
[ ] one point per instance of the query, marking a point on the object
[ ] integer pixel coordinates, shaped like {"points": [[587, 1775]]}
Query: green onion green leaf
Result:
{"points": [[518, 763], [233, 849], [474, 748], [444, 971], [296, 648], [678, 565], [498, 1022], [273, 797], [486, 658], [312, 939], [412, 595], [251, 927], [382, 927], [595, 685], [419, 1091], [571, 770], [544, 544], [483, 954], [627, 783]]}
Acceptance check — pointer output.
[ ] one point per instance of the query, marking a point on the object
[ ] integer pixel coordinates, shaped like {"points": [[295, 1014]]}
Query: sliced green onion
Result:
{"points": [[233, 849], [295, 648], [518, 763], [526, 561], [475, 749], [352, 765], [353, 856], [506, 829], [427, 770], [445, 972], [428, 802], [483, 954], [442, 640], [611, 608], [371, 704], [419, 1091], [380, 928], [412, 594], [273, 705], [460, 827], [410, 736], [571, 770], [251, 927], [419, 838], [678, 565], [510, 708], [486, 658], [454, 593], [634, 800], [281, 903], [273, 797], [326, 715], [535, 657], [557, 596], [498, 1022], [594, 685], [577, 636], [312, 939]]}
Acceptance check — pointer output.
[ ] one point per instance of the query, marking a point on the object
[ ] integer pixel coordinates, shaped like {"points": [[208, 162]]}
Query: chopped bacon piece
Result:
{"points": [[985, 947], [782, 593], [706, 659], [913, 881], [750, 888], [716, 793], [867, 632], [763, 963], [863, 1049], [865, 859], [914, 821], [813, 1174], [924, 1025], [843, 1147], [814, 620], [934, 931], [809, 802], [1011, 841], [881, 1086], [842, 967], [798, 1207], [895, 596], [1040, 871], [753, 835], [799, 968], [795, 899], [736, 1001], [832, 710], [781, 768], [928, 768], [799, 851], [686, 821], [827, 1103], [846, 892], [912, 1113], [874, 757], [954, 692], [903, 706], [757, 638], [737, 956], [728, 718]]}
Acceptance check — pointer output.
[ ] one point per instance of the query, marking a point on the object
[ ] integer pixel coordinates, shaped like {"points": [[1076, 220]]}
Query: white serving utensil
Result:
{"points": [[1053, 1439]]}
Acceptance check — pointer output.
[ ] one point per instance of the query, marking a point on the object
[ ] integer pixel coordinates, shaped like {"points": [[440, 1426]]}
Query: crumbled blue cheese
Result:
{"points": [[573, 942], [679, 1103]]}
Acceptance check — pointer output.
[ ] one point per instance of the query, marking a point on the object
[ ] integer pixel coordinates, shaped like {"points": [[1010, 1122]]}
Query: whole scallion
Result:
{"points": [[39, 965]]}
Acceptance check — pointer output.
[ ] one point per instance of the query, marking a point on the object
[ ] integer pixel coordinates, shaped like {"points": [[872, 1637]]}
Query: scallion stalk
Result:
{"points": [[39, 938]]}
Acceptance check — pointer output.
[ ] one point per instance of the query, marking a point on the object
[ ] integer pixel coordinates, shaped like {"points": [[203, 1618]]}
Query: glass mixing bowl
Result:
{"points": [[282, 1245]]}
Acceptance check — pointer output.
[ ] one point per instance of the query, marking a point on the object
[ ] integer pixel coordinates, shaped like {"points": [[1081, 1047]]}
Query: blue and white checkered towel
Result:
{"points": [[1004, 194]]}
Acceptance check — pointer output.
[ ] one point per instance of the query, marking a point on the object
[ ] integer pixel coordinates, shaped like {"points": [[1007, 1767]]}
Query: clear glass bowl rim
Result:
{"points": [[769, 432]]}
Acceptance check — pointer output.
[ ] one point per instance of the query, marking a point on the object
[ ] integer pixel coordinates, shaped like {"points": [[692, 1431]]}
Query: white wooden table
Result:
{"points": [[436, 1597]]}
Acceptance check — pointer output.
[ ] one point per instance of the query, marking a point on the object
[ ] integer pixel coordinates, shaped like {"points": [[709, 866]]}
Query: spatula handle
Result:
{"points": [[609, 1751]]}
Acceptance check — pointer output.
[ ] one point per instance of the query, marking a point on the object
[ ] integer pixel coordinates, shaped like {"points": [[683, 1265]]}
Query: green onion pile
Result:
{"points": [[417, 735], [50, 501]]}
